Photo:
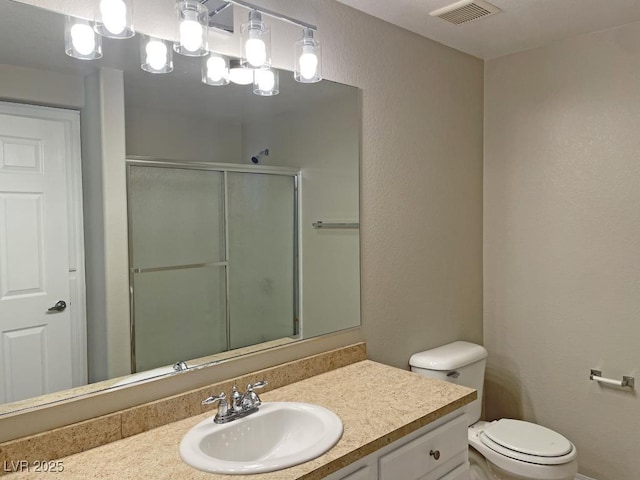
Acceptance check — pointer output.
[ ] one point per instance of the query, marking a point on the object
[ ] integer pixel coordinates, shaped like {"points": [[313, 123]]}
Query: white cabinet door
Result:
{"points": [[413, 457], [426, 453]]}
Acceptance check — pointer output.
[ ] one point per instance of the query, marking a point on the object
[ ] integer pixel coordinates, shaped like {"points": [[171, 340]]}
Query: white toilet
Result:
{"points": [[504, 449]]}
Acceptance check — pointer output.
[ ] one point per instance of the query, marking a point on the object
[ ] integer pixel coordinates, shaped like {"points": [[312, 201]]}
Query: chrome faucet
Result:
{"points": [[242, 404]]}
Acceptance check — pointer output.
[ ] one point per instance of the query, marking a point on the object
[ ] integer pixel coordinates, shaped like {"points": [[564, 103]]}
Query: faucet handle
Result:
{"points": [[209, 400], [251, 398], [223, 407], [254, 386]]}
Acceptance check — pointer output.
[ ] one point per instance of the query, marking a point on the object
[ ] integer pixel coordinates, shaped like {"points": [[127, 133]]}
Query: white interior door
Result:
{"points": [[35, 342]]}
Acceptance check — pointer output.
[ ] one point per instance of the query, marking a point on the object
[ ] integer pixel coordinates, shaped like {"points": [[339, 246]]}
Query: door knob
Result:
{"points": [[60, 306]]}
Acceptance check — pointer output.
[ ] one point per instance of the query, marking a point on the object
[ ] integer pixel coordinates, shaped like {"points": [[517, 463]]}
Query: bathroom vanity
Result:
{"points": [[397, 425]]}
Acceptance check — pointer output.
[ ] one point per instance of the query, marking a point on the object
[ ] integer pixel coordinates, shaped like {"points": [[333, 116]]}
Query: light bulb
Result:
{"points": [[238, 74], [256, 42], [83, 38], [308, 65], [266, 80], [307, 58], [114, 15], [216, 68], [256, 52], [156, 54], [191, 32]]}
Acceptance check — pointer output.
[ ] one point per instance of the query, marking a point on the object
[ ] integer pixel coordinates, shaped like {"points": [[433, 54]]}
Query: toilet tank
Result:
{"points": [[461, 363]]}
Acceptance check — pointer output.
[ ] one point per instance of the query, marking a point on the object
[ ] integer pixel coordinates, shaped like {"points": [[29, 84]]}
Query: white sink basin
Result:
{"points": [[279, 435]]}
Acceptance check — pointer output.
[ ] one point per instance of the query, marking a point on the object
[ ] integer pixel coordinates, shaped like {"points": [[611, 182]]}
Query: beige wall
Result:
{"points": [[41, 87], [170, 136], [421, 182], [562, 242], [106, 244]]}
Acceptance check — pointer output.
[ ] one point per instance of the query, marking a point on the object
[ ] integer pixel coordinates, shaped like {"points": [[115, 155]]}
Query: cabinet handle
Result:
{"points": [[435, 454]]}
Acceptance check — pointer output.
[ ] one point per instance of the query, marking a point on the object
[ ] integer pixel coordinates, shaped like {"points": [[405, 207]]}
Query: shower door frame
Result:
{"points": [[224, 168]]}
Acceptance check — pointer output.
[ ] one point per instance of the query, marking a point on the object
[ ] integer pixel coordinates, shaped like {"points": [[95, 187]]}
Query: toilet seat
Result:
{"points": [[527, 442], [510, 464]]}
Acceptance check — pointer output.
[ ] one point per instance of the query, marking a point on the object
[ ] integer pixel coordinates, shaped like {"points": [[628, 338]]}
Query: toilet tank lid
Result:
{"points": [[449, 357]]}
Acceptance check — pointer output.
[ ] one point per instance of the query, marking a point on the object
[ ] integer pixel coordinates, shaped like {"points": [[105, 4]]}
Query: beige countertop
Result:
{"points": [[360, 394]]}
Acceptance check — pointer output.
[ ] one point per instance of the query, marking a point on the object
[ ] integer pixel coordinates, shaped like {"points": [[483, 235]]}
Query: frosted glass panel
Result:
{"points": [[176, 216], [261, 257], [179, 315]]}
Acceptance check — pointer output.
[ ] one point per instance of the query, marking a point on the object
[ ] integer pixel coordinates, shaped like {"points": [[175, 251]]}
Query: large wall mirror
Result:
{"points": [[237, 214]]}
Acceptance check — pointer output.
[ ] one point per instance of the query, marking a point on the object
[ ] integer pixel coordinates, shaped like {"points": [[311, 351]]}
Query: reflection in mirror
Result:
{"points": [[213, 197], [213, 256]]}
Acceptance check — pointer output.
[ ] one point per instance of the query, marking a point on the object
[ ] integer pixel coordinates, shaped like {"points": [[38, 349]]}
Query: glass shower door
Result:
{"points": [[177, 263], [262, 257]]}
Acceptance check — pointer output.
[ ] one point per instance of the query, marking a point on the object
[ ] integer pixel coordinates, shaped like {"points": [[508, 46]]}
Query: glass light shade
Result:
{"points": [[156, 55], [307, 58], [256, 42], [192, 30], [114, 18], [266, 82], [239, 74], [80, 40], [215, 70]]}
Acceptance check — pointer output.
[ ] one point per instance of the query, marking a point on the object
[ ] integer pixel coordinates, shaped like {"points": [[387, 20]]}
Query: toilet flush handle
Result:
{"points": [[453, 374]]}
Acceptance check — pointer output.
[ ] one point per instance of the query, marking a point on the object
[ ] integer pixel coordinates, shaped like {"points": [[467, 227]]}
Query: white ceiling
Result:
{"points": [[522, 24]]}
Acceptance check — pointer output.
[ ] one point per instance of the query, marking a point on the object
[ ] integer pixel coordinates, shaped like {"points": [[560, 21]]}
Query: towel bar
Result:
{"points": [[626, 381]]}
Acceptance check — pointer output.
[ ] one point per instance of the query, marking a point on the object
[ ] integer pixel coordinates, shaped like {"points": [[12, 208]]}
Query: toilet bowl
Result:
{"points": [[504, 449], [516, 450], [478, 467]]}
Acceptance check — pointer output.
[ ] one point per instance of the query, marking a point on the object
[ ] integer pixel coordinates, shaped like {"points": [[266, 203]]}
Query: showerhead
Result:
{"points": [[256, 158]]}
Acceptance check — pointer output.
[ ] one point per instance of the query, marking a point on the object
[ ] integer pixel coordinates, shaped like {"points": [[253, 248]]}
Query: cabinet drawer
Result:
{"points": [[460, 473], [418, 457]]}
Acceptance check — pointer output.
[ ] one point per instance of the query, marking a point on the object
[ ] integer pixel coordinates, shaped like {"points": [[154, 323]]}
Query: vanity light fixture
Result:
{"points": [[307, 58], [193, 24], [256, 42], [80, 40], [215, 70], [114, 18], [265, 82], [239, 74], [156, 55]]}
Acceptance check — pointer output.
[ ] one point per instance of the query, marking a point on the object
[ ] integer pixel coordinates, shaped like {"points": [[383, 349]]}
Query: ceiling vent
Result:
{"points": [[465, 11]]}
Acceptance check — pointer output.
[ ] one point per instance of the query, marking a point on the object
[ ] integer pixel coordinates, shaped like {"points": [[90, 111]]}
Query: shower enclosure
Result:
{"points": [[213, 258]]}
